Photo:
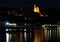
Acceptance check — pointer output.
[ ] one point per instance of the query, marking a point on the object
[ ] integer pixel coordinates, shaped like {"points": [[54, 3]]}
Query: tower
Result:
{"points": [[36, 9]]}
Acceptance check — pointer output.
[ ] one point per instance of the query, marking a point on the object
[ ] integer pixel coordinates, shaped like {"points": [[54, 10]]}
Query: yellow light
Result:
{"points": [[41, 15], [20, 14], [13, 24], [36, 9]]}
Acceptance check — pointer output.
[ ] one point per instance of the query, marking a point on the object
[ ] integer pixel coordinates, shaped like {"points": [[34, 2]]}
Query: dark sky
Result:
{"points": [[29, 3]]}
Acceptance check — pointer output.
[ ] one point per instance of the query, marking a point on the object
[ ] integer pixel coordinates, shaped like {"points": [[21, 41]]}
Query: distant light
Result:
{"points": [[25, 18], [36, 9], [24, 29], [43, 25], [58, 22], [25, 24], [7, 23], [50, 25], [20, 15], [6, 29], [10, 24], [46, 15], [41, 15]]}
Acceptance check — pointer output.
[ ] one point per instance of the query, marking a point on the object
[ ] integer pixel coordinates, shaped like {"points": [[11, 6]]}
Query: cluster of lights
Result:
{"points": [[13, 12], [10, 24], [42, 15], [46, 25], [37, 10]]}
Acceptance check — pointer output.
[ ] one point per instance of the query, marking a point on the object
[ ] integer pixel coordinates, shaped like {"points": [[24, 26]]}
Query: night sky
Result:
{"points": [[29, 3]]}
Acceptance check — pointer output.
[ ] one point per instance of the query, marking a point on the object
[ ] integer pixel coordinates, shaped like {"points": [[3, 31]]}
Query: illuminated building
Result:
{"points": [[36, 9]]}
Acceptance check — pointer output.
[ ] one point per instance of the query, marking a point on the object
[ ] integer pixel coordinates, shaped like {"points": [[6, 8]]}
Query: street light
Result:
{"points": [[10, 24]]}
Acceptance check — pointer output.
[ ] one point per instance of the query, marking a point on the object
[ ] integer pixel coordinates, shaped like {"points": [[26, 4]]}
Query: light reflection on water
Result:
{"points": [[39, 35], [7, 37]]}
